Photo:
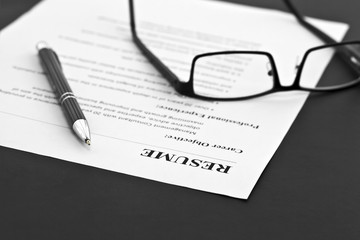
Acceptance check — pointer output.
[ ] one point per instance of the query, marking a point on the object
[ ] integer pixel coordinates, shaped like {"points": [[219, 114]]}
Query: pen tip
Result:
{"points": [[88, 142]]}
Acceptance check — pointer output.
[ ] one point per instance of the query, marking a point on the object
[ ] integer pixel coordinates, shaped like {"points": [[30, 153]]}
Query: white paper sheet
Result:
{"points": [[140, 125]]}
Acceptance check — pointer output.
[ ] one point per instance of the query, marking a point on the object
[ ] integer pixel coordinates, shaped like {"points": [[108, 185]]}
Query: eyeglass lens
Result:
{"points": [[232, 75], [337, 65]]}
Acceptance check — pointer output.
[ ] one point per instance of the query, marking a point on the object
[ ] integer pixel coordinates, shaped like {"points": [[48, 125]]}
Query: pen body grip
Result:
{"points": [[72, 109]]}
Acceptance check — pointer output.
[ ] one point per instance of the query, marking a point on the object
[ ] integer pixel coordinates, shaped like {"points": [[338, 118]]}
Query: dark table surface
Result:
{"points": [[310, 189]]}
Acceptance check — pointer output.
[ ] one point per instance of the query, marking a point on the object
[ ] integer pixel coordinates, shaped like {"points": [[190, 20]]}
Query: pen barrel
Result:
{"points": [[72, 109], [51, 64]]}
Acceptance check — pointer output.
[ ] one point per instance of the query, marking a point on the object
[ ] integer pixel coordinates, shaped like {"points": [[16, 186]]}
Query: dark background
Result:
{"points": [[309, 190]]}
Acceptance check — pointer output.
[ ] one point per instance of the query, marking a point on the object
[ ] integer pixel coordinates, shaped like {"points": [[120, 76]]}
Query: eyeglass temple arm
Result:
{"points": [[348, 53], [164, 70], [323, 36]]}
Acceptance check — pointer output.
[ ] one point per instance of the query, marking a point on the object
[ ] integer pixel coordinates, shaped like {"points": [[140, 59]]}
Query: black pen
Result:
{"points": [[67, 99]]}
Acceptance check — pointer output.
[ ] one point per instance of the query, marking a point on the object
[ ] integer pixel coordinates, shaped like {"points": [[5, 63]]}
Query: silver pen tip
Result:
{"points": [[81, 128]]}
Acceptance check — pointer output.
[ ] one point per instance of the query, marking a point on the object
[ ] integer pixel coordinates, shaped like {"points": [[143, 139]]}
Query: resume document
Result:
{"points": [[140, 126]]}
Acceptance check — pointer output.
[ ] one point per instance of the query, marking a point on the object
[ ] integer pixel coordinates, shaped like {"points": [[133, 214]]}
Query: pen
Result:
{"points": [[51, 64]]}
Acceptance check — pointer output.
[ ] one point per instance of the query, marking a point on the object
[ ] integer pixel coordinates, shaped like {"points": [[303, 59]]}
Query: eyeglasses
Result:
{"points": [[238, 75]]}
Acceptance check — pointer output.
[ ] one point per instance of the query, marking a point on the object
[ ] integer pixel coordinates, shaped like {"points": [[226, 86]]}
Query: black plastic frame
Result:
{"points": [[349, 54]]}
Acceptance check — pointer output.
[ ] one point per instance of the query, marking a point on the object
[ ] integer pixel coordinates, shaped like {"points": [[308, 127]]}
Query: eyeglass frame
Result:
{"points": [[348, 54]]}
